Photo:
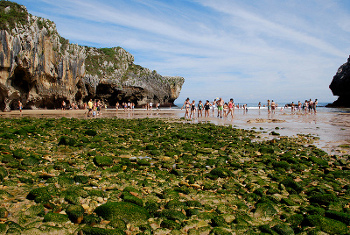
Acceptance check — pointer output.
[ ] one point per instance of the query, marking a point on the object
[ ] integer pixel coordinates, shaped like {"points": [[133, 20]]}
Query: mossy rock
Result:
{"points": [[264, 209], [19, 153], [64, 140], [175, 205], [83, 179], [126, 211], [323, 199], [326, 225], [91, 219], [43, 194], [3, 173], [340, 216], [75, 213], [218, 221], [103, 161], [3, 228], [170, 224], [220, 231], [3, 212], [152, 207], [36, 210], [101, 231], [30, 161], [173, 215], [133, 199], [283, 229], [55, 217], [220, 172], [118, 223], [90, 132]]}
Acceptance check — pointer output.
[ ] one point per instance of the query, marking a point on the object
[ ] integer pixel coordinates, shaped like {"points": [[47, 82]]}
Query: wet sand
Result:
{"points": [[332, 128]]}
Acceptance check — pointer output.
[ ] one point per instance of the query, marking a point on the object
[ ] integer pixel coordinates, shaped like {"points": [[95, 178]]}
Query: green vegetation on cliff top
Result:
{"points": [[11, 14], [94, 176]]}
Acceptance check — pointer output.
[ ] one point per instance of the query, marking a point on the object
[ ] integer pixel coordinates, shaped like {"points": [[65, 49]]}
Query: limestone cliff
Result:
{"points": [[340, 86], [41, 69]]}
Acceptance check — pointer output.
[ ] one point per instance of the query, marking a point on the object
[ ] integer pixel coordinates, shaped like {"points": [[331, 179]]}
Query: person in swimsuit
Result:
{"points": [[268, 106], [193, 109], [231, 107], [20, 106], [207, 108], [273, 106], [200, 108], [220, 104], [213, 106], [187, 107]]}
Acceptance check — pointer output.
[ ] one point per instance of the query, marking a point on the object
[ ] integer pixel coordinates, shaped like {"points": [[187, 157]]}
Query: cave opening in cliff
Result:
{"points": [[21, 81]]}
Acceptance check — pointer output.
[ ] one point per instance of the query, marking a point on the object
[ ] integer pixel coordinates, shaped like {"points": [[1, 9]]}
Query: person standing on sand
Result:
{"points": [[89, 107], [220, 104], [187, 105], [315, 104], [268, 106], [259, 105], [193, 109], [200, 108], [213, 106], [231, 107], [207, 108], [20, 106], [311, 105]]}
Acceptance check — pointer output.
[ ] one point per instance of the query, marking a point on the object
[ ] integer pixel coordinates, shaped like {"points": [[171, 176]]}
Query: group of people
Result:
{"points": [[94, 108], [307, 106], [223, 108]]}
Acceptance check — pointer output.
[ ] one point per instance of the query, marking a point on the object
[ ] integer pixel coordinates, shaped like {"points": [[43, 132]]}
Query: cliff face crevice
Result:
{"points": [[340, 86], [41, 69]]}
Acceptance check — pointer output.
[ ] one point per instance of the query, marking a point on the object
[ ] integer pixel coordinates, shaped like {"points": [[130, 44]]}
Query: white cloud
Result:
{"points": [[286, 49]]}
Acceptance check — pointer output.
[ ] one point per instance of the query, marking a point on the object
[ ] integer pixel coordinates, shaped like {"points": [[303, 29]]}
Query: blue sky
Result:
{"points": [[246, 49]]}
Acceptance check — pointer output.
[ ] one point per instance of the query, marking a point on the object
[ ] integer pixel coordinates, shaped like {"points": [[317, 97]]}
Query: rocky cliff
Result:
{"points": [[340, 86], [41, 69]]}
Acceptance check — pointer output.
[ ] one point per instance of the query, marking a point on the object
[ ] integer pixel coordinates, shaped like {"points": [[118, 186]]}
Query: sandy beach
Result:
{"points": [[331, 127]]}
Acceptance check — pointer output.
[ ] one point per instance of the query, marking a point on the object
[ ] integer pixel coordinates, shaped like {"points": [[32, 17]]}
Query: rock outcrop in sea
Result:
{"points": [[41, 69], [340, 86]]}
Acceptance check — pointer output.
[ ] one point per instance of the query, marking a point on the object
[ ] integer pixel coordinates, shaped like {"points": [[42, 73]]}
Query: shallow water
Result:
{"points": [[331, 126]]}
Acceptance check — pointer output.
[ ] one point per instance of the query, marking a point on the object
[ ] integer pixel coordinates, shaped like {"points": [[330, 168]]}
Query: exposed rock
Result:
{"points": [[340, 86], [41, 69]]}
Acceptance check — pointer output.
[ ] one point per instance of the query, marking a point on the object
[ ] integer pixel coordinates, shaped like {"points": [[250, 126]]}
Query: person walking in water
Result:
{"points": [[187, 105], [207, 108], [200, 109], [220, 104]]}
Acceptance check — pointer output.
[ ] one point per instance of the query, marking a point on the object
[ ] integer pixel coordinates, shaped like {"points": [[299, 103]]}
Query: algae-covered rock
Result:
{"points": [[264, 209], [75, 213], [173, 215], [118, 223], [101, 231], [170, 224], [55, 217], [3, 173], [283, 229], [3, 212], [103, 161], [327, 225], [42, 194], [91, 219], [220, 172], [129, 212], [341, 216]]}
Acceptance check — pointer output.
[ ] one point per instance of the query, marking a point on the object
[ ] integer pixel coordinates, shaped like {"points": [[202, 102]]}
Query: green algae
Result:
{"points": [[168, 171], [126, 211]]}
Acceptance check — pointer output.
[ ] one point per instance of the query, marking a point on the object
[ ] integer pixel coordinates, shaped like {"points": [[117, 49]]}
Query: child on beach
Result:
{"points": [[220, 104]]}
